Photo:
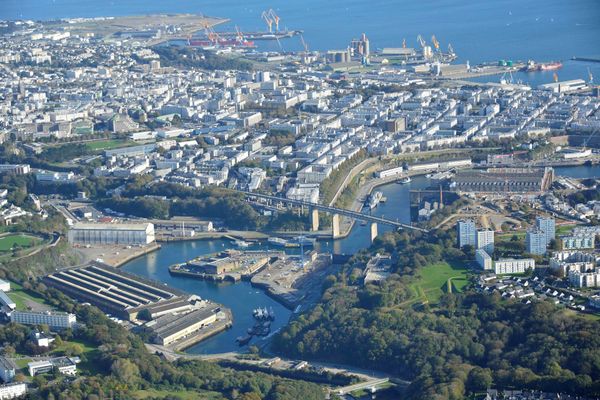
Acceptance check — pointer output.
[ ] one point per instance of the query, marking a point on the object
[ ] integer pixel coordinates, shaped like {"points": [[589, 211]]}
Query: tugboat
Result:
{"points": [[241, 244], [262, 314], [243, 340]]}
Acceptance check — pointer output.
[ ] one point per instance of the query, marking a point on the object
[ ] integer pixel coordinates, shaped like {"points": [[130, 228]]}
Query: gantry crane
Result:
{"points": [[304, 43], [451, 50], [265, 16], [421, 41], [275, 18], [435, 42], [239, 35], [211, 34]]}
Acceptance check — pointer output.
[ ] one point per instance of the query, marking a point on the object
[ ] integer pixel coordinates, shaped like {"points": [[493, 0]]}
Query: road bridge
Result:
{"points": [[315, 208]]}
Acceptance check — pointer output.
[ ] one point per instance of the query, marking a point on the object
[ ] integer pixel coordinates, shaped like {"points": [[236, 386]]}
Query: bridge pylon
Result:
{"points": [[335, 225], [373, 231], [314, 219]]}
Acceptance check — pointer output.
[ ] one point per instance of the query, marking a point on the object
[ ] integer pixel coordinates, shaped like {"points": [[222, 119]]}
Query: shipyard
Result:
{"points": [[231, 265], [177, 319], [225, 188]]}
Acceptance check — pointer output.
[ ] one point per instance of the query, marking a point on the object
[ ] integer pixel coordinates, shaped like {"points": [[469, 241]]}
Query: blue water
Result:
{"points": [[479, 30]]}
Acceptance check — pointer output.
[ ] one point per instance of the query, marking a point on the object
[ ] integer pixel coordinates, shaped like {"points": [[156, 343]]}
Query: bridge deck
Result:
{"points": [[335, 210]]}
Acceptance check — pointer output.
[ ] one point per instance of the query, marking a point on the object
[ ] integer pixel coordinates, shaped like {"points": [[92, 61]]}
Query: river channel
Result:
{"points": [[242, 298]]}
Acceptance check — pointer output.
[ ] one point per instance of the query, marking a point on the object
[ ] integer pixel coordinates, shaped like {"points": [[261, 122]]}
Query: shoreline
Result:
{"points": [[131, 257]]}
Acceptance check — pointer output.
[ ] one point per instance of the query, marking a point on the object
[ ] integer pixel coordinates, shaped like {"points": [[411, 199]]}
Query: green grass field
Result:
{"points": [[435, 279], [86, 346], [99, 145], [564, 229], [23, 298], [7, 242]]}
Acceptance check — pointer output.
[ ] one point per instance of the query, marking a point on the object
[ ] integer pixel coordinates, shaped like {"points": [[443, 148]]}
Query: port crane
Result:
{"points": [[590, 76], [555, 77], [451, 50], [435, 42], [304, 43], [403, 43], [274, 17], [421, 41], [239, 35], [266, 17], [436, 45], [211, 34]]}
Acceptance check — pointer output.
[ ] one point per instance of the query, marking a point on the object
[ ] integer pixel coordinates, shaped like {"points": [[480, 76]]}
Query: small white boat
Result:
{"points": [[241, 244], [405, 180]]}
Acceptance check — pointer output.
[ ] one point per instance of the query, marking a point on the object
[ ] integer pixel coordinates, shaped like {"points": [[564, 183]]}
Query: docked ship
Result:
{"points": [[262, 314], [532, 66], [243, 340], [551, 66], [275, 241], [241, 244], [374, 199], [304, 241]]}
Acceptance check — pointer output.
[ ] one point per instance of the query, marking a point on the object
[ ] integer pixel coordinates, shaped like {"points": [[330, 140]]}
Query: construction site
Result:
{"points": [[294, 279]]}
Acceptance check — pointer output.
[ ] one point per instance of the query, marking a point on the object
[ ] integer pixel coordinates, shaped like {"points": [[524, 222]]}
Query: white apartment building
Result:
{"points": [[485, 241], [53, 319], [13, 390], [483, 259], [513, 265], [98, 234], [583, 279]]}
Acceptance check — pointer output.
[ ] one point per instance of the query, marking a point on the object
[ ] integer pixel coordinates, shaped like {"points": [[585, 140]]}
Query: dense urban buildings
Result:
{"points": [[162, 132]]}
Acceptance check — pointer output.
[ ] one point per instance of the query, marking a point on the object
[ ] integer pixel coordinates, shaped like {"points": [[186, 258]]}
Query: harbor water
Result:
{"points": [[479, 31]]}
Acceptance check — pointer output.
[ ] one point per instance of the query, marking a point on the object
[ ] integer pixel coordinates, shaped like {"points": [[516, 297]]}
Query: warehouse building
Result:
{"points": [[106, 234], [6, 301], [121, 294], [504, 180], [171, 328]]}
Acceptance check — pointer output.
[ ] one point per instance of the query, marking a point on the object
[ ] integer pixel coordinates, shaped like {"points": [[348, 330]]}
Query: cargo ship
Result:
{"points": [[533, 67], [551, 66]]}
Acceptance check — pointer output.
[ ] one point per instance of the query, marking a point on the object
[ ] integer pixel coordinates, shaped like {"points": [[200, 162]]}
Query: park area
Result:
{"points": [[8, 242], [108, 144], [435, 280]]}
